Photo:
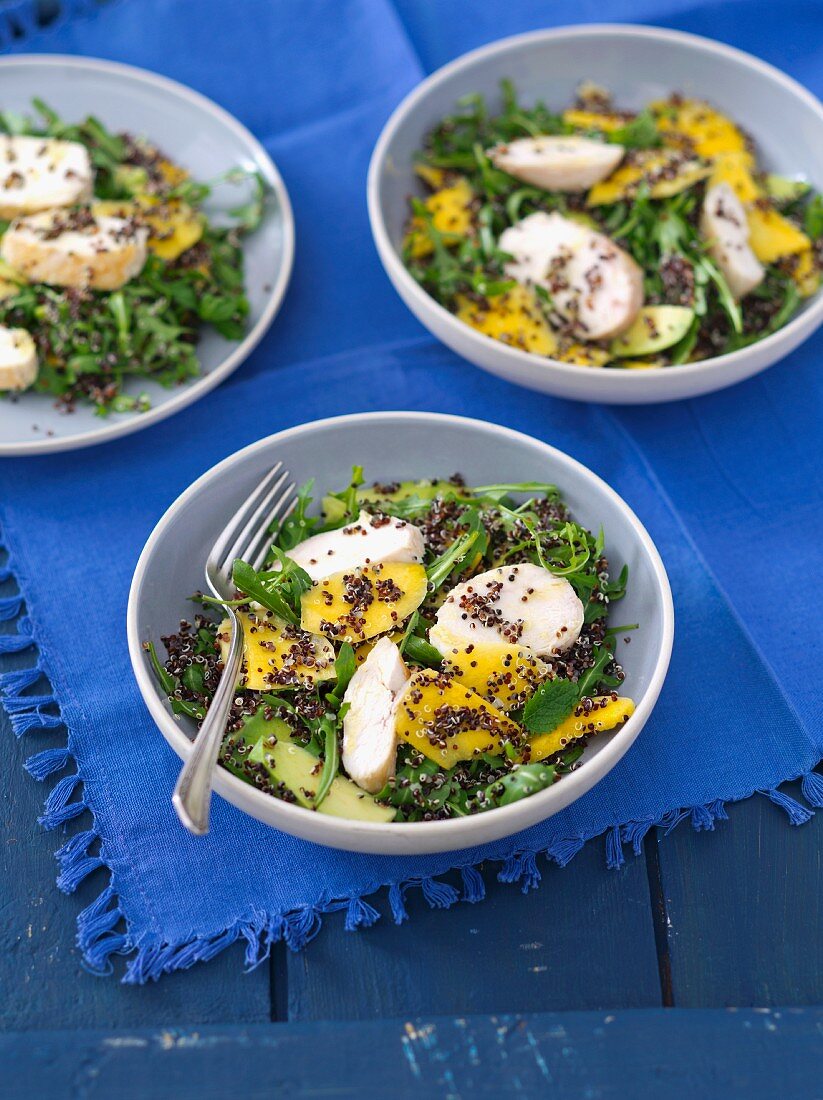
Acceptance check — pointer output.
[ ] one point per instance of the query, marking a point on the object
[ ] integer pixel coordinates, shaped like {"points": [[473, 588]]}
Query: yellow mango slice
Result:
{"points": [[642, 364], [363, 603], [434, 177], [276, 654], [736, 169], [708, 132], [504, 674], [8, 289], [593, 120], [806, 273], [174, 227], [514, 318], [664, 170], [583, 355], [172, 173], [450, 208], [606, 714], [772, 236], [448, 722]]}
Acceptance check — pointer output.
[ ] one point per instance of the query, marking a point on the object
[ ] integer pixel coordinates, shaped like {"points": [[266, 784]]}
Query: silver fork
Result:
{"points": [[247, 535]]}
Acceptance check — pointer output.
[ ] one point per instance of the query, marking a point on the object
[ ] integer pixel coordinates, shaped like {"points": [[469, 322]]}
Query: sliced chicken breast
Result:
{"points": [[369, 737], [18, 359], [594, 285], [558, 163], [75, 248], [522, 605], [371, 539], [724, 224], [40, 173]]}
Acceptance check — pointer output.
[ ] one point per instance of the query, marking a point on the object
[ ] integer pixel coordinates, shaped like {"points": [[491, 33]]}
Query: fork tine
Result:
{"points": [[251, 527], [285, 505], [229, 532]]}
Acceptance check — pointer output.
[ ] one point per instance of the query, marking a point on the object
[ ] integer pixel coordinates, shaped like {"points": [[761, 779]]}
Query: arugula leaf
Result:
{"points": [[331, 757], [553, 702], [640, 133]]}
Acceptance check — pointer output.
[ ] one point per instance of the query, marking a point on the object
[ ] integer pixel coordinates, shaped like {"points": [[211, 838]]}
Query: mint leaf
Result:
{"points": [[550, 704]]}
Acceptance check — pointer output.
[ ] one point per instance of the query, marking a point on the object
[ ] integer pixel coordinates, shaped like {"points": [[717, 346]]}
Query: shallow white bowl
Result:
{"points": [[398, 446], [207, 141], [638, 64]]}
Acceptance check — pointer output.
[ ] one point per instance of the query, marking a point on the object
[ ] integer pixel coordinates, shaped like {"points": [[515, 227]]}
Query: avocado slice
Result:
{"points": [[654, 329], [237, 745], [299, 771], [783, 190], [403, 490]]}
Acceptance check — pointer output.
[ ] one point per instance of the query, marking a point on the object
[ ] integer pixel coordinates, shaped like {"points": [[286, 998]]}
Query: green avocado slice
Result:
{"points": [[654, 329]]}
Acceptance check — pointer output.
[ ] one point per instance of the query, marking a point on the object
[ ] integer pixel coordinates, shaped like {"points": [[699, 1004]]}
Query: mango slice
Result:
{"points": [[772, 236], [450, 208], [708, 132], [582, 355], [606, 714], [737, 169], [664, 170], [504, 674], [174, 226], [360, 604], [593, 120], [276, 654], [448, 722], [654, 329], [514, 318], [806, 274], [435, 178]]}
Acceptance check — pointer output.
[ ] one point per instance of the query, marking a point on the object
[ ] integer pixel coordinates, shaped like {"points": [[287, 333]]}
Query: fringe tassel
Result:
{"points": [[563, 851], [397, 903], [10, 607], [614, 849], [36, 719], [5, 572], [521, 868], [300, 927], [798, 815], [474, 888], [359, 914], [634, 833], [75, 861], [812, 787], [439, 895], [12, 683], [96, 935], [46, 763], [58, 808]]}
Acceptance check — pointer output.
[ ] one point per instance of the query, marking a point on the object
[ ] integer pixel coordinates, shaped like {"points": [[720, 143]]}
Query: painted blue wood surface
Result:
{"points": [[679, 1055], [744, 909]]}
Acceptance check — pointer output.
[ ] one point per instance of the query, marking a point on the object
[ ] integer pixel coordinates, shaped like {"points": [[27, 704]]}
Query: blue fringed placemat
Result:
{"points": [[727, 486]]}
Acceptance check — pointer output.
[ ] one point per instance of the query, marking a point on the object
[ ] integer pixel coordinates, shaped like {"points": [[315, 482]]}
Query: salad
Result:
{"points": [[418, 651], [604, 237], [109, 267]]}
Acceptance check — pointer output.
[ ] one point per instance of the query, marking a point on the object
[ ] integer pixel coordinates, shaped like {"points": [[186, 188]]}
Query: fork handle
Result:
{"points": [[192, 794]]}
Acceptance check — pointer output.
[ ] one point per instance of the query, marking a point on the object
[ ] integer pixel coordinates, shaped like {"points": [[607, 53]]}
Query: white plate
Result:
{"points": [[207, 141], [637, 64], [396, 446]]}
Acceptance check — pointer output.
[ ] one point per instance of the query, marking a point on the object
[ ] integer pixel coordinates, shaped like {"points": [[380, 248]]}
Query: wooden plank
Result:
{"points": [[584, 939], [608, 1056], [744, 909], [42, 979]]}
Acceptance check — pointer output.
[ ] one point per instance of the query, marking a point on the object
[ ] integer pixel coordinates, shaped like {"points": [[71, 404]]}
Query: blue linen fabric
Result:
{"points": [[728, 486]]}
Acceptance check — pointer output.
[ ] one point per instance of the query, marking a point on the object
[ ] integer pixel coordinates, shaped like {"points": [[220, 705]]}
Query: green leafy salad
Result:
{"points": [[109, 267], [604, 237], [417, 651]]}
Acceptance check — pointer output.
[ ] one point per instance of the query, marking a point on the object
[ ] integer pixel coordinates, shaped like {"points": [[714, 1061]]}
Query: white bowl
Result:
{"points": [[207, 141], [638, 64], [398, 446]]}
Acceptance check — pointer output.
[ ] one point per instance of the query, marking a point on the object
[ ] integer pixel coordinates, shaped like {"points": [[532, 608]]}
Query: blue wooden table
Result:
{"points": [[692, 971]]}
